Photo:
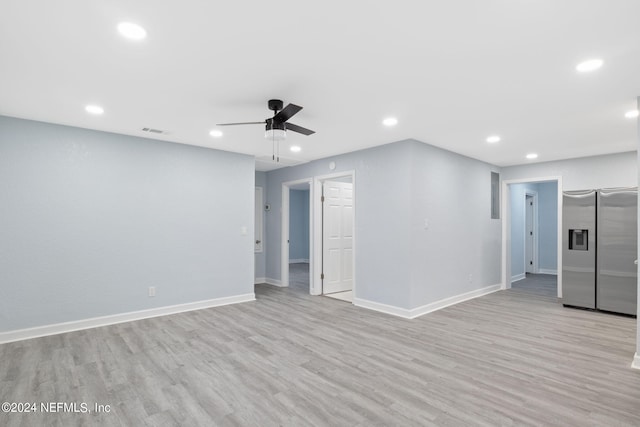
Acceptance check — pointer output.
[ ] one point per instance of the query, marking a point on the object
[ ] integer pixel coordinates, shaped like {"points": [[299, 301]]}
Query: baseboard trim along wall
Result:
{"points": [[548, 271], [518, 277], [274, 282], [636, 361], [425, 309], [95, 322], [258, 280], [382, 308], [298, 261]]}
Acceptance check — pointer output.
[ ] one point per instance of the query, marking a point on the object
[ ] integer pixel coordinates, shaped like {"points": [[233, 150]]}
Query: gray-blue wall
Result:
{"points": [[397, 186], [299, 225], [260, 257], [548, 226], [460, 251], [89, 220], [606, 171], [382, 236]]}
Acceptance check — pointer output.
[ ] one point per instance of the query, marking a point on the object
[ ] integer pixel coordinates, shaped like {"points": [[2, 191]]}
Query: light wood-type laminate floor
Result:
{"points": [[509, 358], [538, 284]]}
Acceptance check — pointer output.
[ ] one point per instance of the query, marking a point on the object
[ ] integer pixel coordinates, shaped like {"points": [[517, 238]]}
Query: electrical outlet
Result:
{"points": [[471, 278], [152, 291]]}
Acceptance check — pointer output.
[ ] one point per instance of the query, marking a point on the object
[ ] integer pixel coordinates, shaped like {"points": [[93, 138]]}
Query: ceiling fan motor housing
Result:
{"points": [[274, 124], [275, 104]]}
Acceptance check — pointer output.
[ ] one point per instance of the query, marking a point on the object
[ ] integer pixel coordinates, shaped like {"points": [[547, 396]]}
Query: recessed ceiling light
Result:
{"points": [[94, 109], [216, 133], [632, 114], [493, 139], [390, 121], [590, 65], [532, 156], [295, 148], [132, 31]]}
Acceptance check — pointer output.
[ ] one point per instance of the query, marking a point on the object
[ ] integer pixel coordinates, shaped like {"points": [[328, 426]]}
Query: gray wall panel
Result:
{"points": [[299, 224], [260, 257], [89, 220]]}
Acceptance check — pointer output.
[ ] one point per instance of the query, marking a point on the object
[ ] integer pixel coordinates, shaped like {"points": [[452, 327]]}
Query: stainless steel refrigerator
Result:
{"points": [[599, 249]]}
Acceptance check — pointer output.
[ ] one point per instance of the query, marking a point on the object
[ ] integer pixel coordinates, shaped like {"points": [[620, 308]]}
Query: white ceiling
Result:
{"points": [[452, 72]]}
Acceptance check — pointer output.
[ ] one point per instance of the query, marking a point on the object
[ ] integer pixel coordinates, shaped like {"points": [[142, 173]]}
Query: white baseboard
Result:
{"points": [[259, 280], [274, 282], [547, 271], [95, 322], [518, 277], [428, 308], [298, 261], [382, 308], [636, 361], [438, 305]]}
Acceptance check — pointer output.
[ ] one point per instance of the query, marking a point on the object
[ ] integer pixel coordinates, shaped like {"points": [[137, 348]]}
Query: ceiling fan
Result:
{"points": [[277, 126]]}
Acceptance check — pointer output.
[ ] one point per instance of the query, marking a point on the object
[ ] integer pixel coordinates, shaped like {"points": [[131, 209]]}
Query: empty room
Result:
{"points": [[331, 214]]}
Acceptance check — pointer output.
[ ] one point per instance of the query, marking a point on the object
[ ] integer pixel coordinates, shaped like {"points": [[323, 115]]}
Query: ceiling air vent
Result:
{"points": [[156, 131]]}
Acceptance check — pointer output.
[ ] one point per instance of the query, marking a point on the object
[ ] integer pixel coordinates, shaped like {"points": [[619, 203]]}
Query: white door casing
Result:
{"points": [[258, 220], [529, 253], [337, 247]]}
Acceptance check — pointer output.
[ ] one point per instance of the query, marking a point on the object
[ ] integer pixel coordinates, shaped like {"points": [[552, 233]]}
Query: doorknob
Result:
{"points": [[635, 262], [257, 242]]}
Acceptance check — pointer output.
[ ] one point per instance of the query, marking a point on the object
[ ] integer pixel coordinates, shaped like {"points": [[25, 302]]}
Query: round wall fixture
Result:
{"points": [[332, 165]]}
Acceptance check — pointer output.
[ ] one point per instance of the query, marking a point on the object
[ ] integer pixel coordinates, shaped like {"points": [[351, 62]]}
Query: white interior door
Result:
{"points": [[529, 237], [337, 237]]}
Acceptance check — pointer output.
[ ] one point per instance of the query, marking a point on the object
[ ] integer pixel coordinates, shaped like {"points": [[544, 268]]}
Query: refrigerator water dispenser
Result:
{"points": [[578, 240]]}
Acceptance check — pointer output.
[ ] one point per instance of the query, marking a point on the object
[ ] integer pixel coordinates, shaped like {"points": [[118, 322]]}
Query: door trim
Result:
{"points": [[259, 210], [506, 227], [534, 220], [317, 229]]}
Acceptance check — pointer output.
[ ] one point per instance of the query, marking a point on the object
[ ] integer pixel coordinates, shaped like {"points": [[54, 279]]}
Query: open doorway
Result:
{"points": [[532, 236], [299, 236], [331, 269], [297, 216]]}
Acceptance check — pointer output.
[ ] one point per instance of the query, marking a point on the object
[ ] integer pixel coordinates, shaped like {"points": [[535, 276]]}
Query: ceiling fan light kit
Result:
{"points": [[275, 134]]}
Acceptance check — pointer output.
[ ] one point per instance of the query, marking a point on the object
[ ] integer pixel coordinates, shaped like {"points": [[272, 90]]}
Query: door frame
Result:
{"points": [[317, 229], [259, 213], [284, 228], [506, 228], [534, 221]]}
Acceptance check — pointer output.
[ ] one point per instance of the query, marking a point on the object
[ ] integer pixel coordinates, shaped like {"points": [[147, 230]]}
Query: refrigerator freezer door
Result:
{"points": [[617, 250], [579, 248]]}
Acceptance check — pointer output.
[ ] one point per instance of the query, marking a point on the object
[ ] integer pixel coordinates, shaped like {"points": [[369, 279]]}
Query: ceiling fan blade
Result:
{"points": [[299, 129], [243, 123], [288, 112]]}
